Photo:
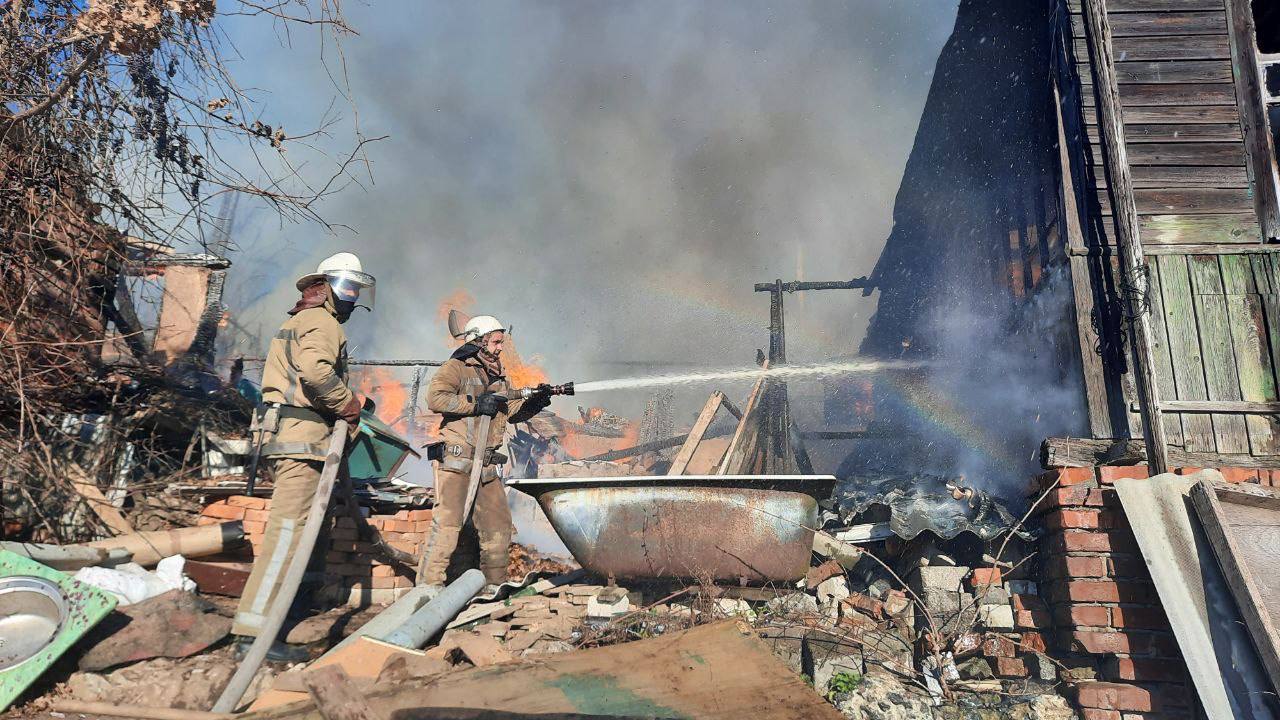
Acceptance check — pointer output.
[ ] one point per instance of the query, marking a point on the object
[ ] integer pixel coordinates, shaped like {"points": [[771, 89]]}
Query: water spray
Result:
{"points": [[854, 367]]}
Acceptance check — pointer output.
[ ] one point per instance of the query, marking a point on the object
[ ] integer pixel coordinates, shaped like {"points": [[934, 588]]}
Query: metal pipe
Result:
{"points": [[292, 577], [388, 620], [432, 617]]}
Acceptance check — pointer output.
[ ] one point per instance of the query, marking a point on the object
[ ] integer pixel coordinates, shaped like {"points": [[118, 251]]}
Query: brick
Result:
{"points": [[1083, 615], [1150, 618], [1066, 476], [1096, 714], [1103, 591], [257, 515], [1113, 696], [206, 520], [344, 522], [1099, 642], [1128, 566], [1022, 601], [1032, 620], [865, 603], [1187, 470], [1144, 670], [397, 581], [422, 526], [1072, 541], [409, 547], [1032, 642], [1070, 496], [999, 646], [379, 570], [1110, 473], [254, 527], [336, 557], [1067, 566], [1064, 518], [984, 577], [1011, 667], [1239, 475], [223, 511], [250, 503], [341, 533]]}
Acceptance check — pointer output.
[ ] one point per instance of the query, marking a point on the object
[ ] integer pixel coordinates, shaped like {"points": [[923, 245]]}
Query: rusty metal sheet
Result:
{"points": [[752, 528]]}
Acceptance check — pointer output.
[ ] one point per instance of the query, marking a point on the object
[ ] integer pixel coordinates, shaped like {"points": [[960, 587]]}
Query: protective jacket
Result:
{"points": [[453, 392], [306, 374]]}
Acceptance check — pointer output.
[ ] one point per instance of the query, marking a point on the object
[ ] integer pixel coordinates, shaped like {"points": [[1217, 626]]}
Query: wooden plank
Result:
{"points": [[1132, 262], [1246, 250], [1152, 177], [1169, 114], [1173, 71], [1120, 6], [718, 671], [1147, 24], [1187, 201], [97, 502], [1253, 359], [1178, 229], [1222, 378], [1253, 120], [699, 429], [1060, 452], [335, 696], [1137, 133], [1233, 407], [1094, 375], [742, 448], [1182, 153], [1262, 276], [1181, 132], [1184, 346], [1163, 358], [1196, 598], [1174, 47], [1184, 95], [1245, 539]]}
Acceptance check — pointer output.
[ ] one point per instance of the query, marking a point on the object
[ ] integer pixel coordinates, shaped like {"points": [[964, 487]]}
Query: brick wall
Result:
{"points": [[1106, 618], [353, 573]]}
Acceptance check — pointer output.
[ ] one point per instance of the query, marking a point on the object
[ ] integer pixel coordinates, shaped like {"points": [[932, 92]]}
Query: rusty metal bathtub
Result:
{"points": [[752, 528]]}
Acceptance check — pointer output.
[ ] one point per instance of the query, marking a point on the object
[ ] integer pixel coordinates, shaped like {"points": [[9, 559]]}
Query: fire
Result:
{"points": [[459, 300], [521, 374], [389, 393]]}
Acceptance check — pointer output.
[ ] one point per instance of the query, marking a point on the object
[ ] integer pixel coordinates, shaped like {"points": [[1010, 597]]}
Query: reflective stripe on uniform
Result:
{"points": [[291, 392], [271, 577]]}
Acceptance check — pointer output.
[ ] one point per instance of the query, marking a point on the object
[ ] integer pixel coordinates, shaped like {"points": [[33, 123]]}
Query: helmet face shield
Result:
{"points": [[352, 286]]}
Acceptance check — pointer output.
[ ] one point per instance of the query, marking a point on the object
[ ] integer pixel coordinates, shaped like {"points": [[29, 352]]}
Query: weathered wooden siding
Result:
{"points": [[1217, 305]]}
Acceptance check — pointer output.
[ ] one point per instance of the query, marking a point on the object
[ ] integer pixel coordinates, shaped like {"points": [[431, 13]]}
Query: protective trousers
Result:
{"points": [[295, 482], [492, 519]]}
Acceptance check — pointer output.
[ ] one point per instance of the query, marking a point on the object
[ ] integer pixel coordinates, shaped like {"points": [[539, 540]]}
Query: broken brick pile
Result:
{"points": [[1102, 611], [354, 574]]}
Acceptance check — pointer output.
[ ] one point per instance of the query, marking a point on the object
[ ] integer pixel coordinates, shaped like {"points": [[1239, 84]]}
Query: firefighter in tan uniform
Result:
{"points": [[471, 384], [304, 391]]}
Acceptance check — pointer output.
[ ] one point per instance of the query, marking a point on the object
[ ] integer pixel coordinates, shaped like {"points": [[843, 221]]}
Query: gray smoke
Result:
{"points": [[611, 178]]}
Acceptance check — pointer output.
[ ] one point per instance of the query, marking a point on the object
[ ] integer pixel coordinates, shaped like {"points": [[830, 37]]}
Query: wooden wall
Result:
{"points": [[1214, 291]]}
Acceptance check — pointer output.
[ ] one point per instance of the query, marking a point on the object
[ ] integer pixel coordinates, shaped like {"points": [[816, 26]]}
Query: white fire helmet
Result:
{"points": [[346, 277], [479, 326]]}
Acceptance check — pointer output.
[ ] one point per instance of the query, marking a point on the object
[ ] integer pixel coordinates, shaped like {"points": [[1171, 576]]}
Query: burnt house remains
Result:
{"points": [[1093, 188]]}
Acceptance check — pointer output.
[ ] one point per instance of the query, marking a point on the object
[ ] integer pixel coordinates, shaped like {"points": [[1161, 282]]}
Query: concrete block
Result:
{"points": [[935, 577], [996, 617]]}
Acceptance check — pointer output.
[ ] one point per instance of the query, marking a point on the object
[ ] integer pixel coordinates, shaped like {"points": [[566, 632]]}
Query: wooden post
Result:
{"points": [[1132, 263], [700, 426], [777, 327], [1253, 117], [1095, 380]]}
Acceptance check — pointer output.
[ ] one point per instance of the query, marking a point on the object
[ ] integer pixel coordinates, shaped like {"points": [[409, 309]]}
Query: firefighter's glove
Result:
{"points": [[351, 411], [490, 404], [538, 402]]}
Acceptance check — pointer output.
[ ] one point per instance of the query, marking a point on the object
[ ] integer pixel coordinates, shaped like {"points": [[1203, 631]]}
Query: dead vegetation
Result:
{"points": [[118, 121]]}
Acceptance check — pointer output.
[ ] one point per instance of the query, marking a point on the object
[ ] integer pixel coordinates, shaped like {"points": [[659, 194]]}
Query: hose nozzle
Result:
{"points": [[546, 390]]}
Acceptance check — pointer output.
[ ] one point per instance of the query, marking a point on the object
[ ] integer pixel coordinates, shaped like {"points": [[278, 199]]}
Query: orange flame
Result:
{"points": [[389, 393]]}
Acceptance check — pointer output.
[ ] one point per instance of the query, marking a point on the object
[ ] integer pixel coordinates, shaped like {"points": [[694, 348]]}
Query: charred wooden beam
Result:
{"points": [[1087, 452], [796, 286], [1132, 261]]}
